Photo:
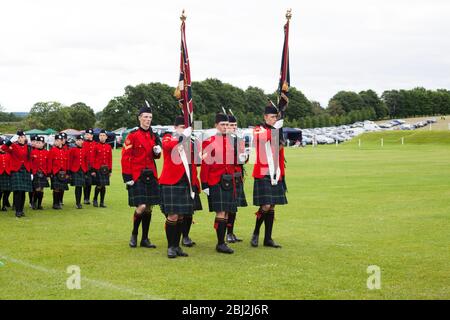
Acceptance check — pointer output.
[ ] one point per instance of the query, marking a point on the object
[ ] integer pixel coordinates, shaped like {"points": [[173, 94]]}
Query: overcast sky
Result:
{"points": [[89, 50]]}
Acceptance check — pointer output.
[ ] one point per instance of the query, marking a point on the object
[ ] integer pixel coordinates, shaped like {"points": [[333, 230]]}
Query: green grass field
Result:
{"points": [[349, 208]]}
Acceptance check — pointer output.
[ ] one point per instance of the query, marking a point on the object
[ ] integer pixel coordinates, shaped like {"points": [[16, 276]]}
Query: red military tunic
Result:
{"points": [[262, 134], [78, 159], [57, 160], [89, 146], [173, 168], [137, 154], [102, 156], [218, 159], [5, 163], [20, 155], [39, 161]]}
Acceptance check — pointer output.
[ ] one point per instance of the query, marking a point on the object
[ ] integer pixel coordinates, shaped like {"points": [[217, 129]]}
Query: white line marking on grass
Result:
{"points": [[96, 283]]}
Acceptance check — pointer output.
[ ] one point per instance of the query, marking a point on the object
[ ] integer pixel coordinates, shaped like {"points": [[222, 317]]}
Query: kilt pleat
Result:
{"points": [[264, 193], [40, 183], [21, 180], [221, 200], [176, 199], [141, 193], [78, 179], [102, 179], [241, 199], [59, 185], [5, 182]]}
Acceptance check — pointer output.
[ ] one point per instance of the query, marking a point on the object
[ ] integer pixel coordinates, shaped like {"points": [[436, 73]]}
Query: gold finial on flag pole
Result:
{"points": [[289, 14], [183, 16]]}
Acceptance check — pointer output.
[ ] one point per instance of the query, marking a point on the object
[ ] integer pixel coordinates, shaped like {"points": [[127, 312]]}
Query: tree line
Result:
{"points": [[211, 95]]}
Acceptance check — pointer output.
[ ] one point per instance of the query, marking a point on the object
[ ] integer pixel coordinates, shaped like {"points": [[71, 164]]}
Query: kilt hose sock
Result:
{"points": [[171, 233], [102, 194], [230, 224], [179, 231], [187, 223], [146, 219], [19, 201], [268, 224], [87, 192], [137, 218], [78, 192], [6, 195], [31, 196], [220, 224], [97, 191], [39, 196], [260, 218]]}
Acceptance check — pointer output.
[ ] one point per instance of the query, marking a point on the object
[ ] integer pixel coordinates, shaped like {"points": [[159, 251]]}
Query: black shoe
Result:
{"points": [[87, 202], [79, 206], [180, 252], [255, 240], [223, 248], [230, 238], [4, 209], [40, 208], [187, 242], [102, 205], [236, 239], [22, 214], [271, 243], [133, 241], [56, 207], [171, 252], [95, 203], [18, 215], [147, 244]]}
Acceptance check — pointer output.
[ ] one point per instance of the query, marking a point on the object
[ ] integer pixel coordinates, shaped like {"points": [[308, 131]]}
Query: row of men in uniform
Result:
{"points": [[177, 189], [28, 167]]}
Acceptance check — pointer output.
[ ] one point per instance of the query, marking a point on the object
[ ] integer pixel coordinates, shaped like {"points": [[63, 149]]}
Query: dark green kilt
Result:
{"points": [[141, 193], [176, 199], [59, 185], [101, 179], [264, 193], [40, 183], [78, 179], [21, 180], [240, 194], [221, 200], [5, 182], [88, 180]]}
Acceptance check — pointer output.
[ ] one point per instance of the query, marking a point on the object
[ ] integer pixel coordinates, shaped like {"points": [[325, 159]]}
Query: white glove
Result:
{"points": [[206, 191], [14, 138], [242, 157], [278, 124], [157, 149], [32, 177], [129, 183], [187, 132]]}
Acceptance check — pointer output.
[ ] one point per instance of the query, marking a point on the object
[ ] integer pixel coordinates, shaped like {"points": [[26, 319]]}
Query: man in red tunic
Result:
{"points": [[5, 176], [103, 168], [178, 184], [142, 146], [269, 188], [217, 176]]}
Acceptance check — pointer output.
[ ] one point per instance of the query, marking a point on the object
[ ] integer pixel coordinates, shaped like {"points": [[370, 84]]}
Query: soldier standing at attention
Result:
{"points": [[142, 146], [269, 188], [217, 179], [5, 176], [20, 170], [40, 170], [58, 165], [78, 168], [103, 168], [65, 146], [177, 194], [89, 146], [240, 157]]}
